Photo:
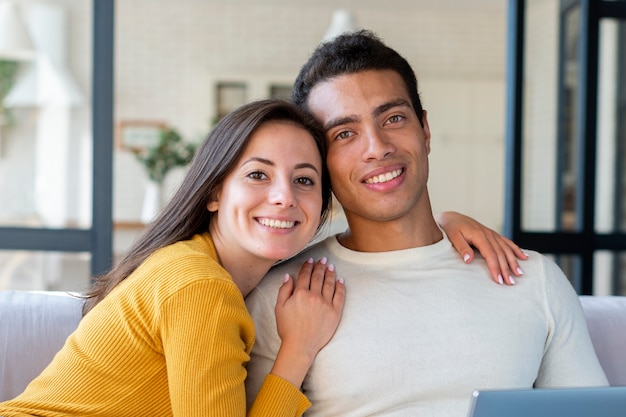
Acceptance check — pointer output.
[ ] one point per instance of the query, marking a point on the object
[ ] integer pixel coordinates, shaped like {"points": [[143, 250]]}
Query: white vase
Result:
{"points": [[151, 201]]}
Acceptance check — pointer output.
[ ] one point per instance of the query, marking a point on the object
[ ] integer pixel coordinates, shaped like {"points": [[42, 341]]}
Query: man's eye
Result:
{"points": [[344, 135], [394, 119]]}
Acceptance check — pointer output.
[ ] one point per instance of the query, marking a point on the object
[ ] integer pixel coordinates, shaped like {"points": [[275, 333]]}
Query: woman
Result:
{"points": [[166, 331]]}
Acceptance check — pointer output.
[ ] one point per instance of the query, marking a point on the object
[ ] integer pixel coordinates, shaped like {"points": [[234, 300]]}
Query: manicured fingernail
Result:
{"points": [[323, 260], [519, 271], [526, 254], [511, 280], [466, 257], [340, 280], [309, 261], [331, 267], [286, 278], [500, 280]]}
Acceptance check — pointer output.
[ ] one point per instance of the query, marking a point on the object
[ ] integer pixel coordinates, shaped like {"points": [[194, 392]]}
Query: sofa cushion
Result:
{"points": [[606, 319], [33, 327]]}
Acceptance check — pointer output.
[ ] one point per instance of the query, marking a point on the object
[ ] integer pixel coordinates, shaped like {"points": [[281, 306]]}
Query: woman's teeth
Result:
{"points": [[277, 224]]}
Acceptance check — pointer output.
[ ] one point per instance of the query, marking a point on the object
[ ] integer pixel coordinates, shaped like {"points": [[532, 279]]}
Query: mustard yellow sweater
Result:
{"points": [[171, 340]]}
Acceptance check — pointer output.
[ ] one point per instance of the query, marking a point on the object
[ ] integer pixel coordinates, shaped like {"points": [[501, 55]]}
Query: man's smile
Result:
{"points": [[388, 176]]}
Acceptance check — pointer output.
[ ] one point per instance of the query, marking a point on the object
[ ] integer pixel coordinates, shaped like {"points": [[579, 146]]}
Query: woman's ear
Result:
{"points": [[212, 205]]}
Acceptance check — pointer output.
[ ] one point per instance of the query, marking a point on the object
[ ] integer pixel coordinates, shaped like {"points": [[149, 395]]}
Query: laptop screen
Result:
{"points": [[550, 402]]}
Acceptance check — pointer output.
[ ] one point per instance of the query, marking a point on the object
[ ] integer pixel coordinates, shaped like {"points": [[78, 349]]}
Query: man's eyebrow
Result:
{"points": [[389, 105], [376, 112], [340, 121]]}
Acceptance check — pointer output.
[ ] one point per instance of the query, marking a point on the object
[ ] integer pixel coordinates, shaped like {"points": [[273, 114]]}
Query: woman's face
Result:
{"points": [[269, 205]]}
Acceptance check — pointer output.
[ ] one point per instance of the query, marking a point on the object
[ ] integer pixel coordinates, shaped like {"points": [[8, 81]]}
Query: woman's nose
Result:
{"points": [[282, 193]]}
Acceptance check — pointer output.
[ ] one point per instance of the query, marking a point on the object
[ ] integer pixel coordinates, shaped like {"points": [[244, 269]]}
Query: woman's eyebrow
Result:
{"points": [[258, 159], [272, 163], [307, 165]]}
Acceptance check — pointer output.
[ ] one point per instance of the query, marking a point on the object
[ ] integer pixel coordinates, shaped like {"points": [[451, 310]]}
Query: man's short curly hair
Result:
{"points": [[350, 53]]}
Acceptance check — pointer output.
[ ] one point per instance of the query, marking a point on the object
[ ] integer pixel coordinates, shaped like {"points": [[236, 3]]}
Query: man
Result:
{"points": [[420, 329]]}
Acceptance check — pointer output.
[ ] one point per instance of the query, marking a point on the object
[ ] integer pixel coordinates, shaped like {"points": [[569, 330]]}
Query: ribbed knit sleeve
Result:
{"points": [[206, 349], [276, 390]]}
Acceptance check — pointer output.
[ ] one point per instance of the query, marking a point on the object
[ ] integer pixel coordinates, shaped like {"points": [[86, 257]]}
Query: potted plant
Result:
{"points": [[168, 153], [8, 72]]}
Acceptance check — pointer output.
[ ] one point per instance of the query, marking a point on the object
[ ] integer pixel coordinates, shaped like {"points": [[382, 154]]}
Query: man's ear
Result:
{"points": [[426, 130]]}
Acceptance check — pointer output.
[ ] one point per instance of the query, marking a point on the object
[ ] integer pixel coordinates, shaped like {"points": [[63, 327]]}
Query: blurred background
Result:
{"points": [[177, 67]]}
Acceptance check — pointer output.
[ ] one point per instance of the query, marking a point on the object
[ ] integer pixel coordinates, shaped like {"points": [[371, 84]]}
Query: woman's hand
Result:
{"points": [[500, 253], [307, 315]]}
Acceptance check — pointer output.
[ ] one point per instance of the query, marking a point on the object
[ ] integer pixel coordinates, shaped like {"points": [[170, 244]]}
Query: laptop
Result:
{"points": [[550, 402]]}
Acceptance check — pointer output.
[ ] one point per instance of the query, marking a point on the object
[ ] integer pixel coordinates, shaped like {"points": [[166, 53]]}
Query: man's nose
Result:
{"points": [[378, 145]]}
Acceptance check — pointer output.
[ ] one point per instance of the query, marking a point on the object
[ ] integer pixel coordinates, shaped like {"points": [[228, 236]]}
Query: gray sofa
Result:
{"points": [[34, 326]]}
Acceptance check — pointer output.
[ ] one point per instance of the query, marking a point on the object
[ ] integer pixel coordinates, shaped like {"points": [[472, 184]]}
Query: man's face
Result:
{"points": [[378, 151]]}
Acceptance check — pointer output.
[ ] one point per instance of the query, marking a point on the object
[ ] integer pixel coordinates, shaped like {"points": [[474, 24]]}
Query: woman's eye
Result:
{"points": [[257, 175], [305, 181]]}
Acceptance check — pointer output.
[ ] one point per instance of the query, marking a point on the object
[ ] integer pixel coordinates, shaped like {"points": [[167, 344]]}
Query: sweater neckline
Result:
{"points": [[421, 253]]}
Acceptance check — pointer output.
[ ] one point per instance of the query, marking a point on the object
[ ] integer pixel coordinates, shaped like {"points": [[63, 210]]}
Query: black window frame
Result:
{"points": [[583, 242]]}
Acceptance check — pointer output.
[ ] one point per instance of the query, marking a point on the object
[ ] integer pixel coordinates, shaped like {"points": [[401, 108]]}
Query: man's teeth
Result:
{"points": [[277, 224], [384, 177]]}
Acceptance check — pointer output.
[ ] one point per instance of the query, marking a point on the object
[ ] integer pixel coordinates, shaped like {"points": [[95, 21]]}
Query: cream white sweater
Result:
{"points": [[421, 330]]}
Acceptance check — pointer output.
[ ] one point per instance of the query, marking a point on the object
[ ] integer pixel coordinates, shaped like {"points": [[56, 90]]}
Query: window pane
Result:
{"points": [[609, 273], [568, 152], [45, 131], [539, 154], [570, 265], [611, 153], [35, 270]]}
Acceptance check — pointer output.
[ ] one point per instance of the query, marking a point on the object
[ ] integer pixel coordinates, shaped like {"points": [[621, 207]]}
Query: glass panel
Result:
{"points": [[229, 97], [281, 91], [611, 169], [34, 270], [45, 132], [619, 278], [609, 273], [571, 267], [568, 152], [540, 129]]}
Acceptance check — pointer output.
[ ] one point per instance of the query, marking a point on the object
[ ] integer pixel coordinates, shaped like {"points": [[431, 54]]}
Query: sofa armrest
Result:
{"points": [[33, 328], [606, 319]]}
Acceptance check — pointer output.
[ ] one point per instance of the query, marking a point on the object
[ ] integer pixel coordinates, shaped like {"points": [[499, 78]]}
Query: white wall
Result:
{"points": [[170, 54]]}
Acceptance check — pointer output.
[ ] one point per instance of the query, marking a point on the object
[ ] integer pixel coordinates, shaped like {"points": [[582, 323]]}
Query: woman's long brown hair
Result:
{"points": [[186, 214]]}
